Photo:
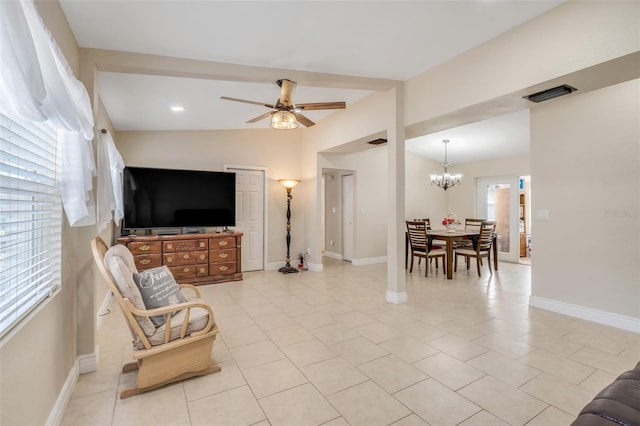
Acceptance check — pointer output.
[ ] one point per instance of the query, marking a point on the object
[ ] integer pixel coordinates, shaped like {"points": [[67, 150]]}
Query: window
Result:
{"points": [[30, 218]]}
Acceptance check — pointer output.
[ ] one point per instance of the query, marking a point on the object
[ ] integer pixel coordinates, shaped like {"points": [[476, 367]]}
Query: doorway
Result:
{"points": [[524, 228], [250, 214], [338, 213], [347, 217], [498, 200]]}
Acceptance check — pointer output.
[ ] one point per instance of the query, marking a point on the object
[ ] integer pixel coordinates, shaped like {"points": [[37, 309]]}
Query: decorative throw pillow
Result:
{"points": [[158, 289]]}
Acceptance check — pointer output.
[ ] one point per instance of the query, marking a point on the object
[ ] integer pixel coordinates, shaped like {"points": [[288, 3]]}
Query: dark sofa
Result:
{"points": [[617, 404]]}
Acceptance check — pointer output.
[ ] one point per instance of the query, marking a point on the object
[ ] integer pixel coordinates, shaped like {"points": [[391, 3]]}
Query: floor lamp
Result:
{"points": [[288, 184]]}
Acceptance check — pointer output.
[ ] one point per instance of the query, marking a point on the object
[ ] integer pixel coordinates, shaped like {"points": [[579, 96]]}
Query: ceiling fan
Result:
{"points": [[286, 114]]}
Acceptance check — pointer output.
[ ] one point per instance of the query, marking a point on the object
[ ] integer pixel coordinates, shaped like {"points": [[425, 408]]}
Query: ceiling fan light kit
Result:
{"points": [[286, 114], [283, 120]]}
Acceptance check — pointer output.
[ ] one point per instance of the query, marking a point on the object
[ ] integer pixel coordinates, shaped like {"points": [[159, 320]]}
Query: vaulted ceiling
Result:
{"points": [[392, 40]]}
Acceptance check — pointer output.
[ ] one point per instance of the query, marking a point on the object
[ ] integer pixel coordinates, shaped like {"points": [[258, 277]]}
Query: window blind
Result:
{"points": [[30, 218]]}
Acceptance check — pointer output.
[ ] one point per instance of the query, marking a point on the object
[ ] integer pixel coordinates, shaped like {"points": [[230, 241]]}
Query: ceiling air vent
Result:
{"points": [[565, 89], [378, 141]]}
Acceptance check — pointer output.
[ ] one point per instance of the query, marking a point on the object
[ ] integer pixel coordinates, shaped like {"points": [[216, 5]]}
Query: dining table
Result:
{"points": [[449, 236]]}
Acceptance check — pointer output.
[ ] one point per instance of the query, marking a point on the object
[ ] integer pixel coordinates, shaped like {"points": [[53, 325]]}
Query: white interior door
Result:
{"points": [[250, 216], [347, 217], [499, 200]]}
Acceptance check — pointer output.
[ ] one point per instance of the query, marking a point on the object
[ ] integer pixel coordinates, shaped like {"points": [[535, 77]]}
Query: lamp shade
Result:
{"points": [[289, 183], [284, 120]]}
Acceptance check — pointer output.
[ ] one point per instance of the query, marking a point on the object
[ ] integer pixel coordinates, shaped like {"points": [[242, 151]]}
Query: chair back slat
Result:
{"points": [[417, 232], [485, 239], [473, 224], [427, 222]]}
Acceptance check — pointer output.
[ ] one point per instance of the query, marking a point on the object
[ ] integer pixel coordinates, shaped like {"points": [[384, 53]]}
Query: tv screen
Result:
{"points": [[162, 198]]}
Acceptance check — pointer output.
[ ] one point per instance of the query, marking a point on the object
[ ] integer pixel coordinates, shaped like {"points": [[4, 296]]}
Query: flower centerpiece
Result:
{"points": [[451, 222]]}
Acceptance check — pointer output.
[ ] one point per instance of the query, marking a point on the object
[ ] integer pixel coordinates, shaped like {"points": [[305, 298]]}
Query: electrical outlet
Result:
{"points": [[331, 242]]}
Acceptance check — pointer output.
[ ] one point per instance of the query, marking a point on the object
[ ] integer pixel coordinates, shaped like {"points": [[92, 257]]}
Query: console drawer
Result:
{"points": [[187, 271], [222, 255], [184, 258], [186, 245], [145, 247], [147, 261], [222, 268], [222, 243]]}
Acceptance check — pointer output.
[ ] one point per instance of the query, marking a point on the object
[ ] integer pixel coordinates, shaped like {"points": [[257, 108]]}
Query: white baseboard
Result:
{"points": [[397, 298], [369, 261], [315, 267], [336, 256], [602, 317], [64, 397], [273, 266], [88, 363]]}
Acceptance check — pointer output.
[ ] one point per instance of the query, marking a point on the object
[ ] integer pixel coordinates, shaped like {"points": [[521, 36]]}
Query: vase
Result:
{"points": [[451, 227]]}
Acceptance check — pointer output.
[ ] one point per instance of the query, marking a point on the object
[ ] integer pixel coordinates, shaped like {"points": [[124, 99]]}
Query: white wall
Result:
{"points": [[211, 150], [37, 359], [585, 167], [568, 38], [422, 200], [367, 117], [370, 199], [462, 198]]}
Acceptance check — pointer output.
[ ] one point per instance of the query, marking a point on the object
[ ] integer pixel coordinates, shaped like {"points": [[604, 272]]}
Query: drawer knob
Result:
{"points": [[186, 256], [170, 246], [201, 243], [223, 268], [202, 270], [223, 255], [202, 257], [222, 243], [170, 259], [145, 261], [185, 270], [144, 247]]}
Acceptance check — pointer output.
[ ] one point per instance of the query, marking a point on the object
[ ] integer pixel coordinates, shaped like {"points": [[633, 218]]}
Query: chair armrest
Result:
{"points": [[192, 288], [167, 311]]}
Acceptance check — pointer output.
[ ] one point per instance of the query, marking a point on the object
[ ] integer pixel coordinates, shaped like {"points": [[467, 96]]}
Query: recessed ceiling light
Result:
{"points": [[177, 108]]}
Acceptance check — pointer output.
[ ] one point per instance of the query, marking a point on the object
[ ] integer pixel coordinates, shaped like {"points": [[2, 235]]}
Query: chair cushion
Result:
{"points": [[158, 289], [198, 319], [471, 252], [120, 264]]}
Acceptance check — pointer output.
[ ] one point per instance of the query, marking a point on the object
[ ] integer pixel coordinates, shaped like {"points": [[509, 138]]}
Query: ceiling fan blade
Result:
{"points": [[226, 98], [321, 105], [302, 119], [286, 92], [260, 117]]}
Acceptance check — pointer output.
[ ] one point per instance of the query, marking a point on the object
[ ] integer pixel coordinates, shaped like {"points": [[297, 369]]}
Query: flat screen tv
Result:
{"points": [[166, 198]]}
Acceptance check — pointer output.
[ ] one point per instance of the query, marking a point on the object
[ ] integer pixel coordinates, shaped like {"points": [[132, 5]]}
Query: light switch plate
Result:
{"points": [[542, 214]]}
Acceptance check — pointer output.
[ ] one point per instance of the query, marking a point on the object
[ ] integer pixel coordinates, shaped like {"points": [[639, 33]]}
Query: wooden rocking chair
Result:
{"points": [[166, 354]]}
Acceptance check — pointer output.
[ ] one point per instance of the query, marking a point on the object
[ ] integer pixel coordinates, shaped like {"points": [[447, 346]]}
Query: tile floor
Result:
{"points": [[326, 349]]}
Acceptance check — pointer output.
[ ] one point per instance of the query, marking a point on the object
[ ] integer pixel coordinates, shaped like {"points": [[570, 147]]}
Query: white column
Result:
{"points": [[396, 288]]}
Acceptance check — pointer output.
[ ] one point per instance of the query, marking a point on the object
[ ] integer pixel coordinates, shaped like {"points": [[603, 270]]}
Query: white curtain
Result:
{"points": [[36, 83], [109, 191]]}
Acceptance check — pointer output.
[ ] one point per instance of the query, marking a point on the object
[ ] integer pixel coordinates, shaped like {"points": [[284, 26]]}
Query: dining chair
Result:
{"points": [[438, 243], [419, 246], [469, 225], [482, 249]]}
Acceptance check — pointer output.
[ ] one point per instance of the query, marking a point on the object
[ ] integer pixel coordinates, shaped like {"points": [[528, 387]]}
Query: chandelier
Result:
{"points": [[446, 179]]}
